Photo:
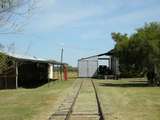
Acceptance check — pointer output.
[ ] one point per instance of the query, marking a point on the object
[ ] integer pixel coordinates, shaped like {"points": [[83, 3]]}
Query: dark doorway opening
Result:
{"points": [[32, 74]]}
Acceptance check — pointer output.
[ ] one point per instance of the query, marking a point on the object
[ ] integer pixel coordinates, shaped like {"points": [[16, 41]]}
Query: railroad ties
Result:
{"points": [[82, 103]]}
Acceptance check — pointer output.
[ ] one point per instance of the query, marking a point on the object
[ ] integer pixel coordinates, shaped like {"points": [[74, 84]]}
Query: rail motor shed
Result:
{"points": [[104, 65], [28, 72]]}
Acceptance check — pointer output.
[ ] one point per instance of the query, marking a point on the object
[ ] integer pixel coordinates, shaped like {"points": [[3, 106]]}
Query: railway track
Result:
{"points": [[82, 103]]}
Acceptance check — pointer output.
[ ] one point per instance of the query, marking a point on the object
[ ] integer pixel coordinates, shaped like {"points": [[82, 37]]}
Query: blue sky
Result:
{"points": [[81, 27]]}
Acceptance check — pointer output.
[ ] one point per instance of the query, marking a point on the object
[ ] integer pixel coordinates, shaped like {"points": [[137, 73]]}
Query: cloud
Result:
{"points": [[124, 21], [148, 13], [50, 21], [44, 5]]}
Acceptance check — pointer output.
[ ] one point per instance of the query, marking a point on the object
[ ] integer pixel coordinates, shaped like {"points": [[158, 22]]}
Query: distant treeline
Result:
{"points": [[139, 53], [69, 68], [72, 69]]}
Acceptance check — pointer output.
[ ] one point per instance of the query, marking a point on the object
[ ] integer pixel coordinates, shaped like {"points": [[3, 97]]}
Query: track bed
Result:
{"points": [[82, 103]]}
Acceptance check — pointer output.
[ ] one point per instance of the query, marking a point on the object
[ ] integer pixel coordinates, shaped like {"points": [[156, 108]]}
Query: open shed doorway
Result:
{"points": [[32, 74], [104, 66]]}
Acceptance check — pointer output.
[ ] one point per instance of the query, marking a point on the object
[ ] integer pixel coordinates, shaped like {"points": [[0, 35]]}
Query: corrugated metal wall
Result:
{"points": [[88, 67]]}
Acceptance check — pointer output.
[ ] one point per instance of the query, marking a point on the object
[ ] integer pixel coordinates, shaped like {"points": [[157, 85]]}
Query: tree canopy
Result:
{"points": [[139, 53]]}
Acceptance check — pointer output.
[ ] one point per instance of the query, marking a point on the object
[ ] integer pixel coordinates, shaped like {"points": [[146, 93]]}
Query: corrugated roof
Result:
{"points": [[19, 57], [109, 53]]}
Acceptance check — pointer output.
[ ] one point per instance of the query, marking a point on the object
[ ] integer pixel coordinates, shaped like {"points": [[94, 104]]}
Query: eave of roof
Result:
{"points": [[23, 58], [109, 53]]}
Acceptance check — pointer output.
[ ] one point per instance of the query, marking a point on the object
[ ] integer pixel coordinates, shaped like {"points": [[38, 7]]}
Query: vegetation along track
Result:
{"points": [[82, 103]]}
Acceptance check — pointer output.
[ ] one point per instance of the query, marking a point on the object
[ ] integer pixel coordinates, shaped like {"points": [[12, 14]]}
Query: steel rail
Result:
{"points": [[99, 102], [74, 101], [100, 113]]}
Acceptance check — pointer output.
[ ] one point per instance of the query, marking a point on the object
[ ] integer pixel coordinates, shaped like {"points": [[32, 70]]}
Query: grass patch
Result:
{"points": [[129, 99], [27, 104]]}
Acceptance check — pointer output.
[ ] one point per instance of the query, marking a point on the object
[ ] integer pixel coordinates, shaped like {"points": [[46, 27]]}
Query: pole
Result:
{"points": [[61, 68], [48, 74], [16, 75]]}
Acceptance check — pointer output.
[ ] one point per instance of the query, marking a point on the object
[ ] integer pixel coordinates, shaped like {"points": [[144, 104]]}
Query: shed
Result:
{"points": [[26, 71], [100, 65]]}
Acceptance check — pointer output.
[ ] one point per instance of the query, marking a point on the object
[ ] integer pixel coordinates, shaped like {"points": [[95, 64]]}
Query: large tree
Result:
{"points": [[140, 52]]}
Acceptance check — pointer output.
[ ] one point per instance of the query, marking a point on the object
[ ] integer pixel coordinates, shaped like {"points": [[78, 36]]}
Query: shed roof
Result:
{"points": [[109, 53], [26, 58]]}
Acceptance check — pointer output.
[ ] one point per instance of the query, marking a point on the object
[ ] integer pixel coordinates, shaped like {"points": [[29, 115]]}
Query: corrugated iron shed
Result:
{"points": [[89, 66], [19, 58], [26, 70]]}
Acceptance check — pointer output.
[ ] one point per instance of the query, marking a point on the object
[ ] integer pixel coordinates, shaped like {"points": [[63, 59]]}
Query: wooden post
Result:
{"points": [[61, 67], [59, 72], [53, 72], [87, 69], [16, 65], [110, 63], [48, 75], [5, 78]]}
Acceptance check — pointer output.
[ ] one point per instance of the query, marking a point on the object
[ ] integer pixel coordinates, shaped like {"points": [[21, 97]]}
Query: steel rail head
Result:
{"points": [[99, 102]]}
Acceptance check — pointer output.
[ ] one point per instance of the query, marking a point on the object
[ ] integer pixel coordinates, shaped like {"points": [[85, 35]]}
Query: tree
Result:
{"points": [[3, 60], [140, 52], [3, 63], [150, 34], [123, 52], [12, 12]]}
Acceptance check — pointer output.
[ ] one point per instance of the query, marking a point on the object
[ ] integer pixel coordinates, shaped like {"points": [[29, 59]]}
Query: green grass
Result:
{"points": [[29, 104], [129, 99]]}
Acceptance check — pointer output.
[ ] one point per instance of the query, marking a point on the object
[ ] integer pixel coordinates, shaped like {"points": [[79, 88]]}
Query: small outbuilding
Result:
{"points": [[24, 71], [99, 66]]}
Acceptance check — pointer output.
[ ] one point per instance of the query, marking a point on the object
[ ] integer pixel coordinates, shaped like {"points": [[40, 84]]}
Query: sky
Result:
{"points": [[82, 27]]}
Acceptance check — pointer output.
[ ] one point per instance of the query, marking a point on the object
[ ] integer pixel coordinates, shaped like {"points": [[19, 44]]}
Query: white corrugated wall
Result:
{"points": [[88, 67]]}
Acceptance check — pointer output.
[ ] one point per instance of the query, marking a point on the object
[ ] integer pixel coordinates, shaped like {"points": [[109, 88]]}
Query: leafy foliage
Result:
{"points": [[3, 62], [140, 53]]}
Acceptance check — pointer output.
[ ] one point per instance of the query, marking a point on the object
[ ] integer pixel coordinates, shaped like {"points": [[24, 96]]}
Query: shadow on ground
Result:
{"points": [[140, 81], [124, 85], [32, 85]]}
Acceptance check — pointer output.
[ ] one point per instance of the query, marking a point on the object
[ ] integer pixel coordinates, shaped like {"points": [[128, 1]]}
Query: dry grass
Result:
{"points": [[71, 75], [29, 104], [129, 99]]}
